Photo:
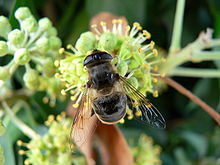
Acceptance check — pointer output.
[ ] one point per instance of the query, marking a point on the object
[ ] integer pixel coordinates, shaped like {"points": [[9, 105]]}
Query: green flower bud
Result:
{"points": [[5, 26], [125, 51], [108, 42], [64, 158], [52, 31], [4, 73], [133, 64], [139, 58], [29, 24], [2, 128], [43, 83], [145, 151], [133, 81], [86, 42], [44, 24], [22, 56], [48, 67], [122, 68], [22, 13], [3, 48], [16, 37], [147, 79], [55, 87], [42, 45], [55, 43], [31, 79]]}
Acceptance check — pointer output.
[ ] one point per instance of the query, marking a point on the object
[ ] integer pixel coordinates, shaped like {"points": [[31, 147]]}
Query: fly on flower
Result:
{"points": [[110, 96], [114, 66]]}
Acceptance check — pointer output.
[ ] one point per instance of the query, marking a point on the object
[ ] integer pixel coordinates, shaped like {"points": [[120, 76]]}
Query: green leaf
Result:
{"points": [[204, 89], [198, 142], [6, 143], [181, 157]]}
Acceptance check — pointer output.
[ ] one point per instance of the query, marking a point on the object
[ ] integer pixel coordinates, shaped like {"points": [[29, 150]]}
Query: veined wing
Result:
{"points": [[144, 109], [84, 122]]}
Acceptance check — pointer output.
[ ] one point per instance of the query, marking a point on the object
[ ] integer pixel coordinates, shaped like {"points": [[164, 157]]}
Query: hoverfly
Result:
{"points": [[108, 96]]}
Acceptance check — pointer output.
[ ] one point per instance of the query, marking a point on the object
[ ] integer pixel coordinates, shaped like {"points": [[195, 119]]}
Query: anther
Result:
{"points": [[152, 43], [19, 143], [130, 117], [155, 52], [69, 46], [122, 121], [63, 92], [57, 75], [138, 113], [21, 152], [61, 50], [56, 63], [155, 93], [147, 34], [73, 98], [76, 105], [45, 100]]}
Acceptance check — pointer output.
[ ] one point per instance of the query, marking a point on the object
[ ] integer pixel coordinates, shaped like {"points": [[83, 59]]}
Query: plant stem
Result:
{"points": [[199, 56], [194, 98], [195, 72], [187, 53], [177, 29], [22, 126]]}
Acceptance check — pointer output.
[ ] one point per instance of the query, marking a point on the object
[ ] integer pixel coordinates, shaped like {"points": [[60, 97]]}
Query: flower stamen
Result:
{"points": [[104, 27], [114, 27], [136, 27], [69, 46], [119, 21], [76, 104], [94, 26], [128, 28], [147, 34]]}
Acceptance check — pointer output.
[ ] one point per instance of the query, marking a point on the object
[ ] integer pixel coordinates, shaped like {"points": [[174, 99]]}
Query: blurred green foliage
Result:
{"points": [[191, 136]]}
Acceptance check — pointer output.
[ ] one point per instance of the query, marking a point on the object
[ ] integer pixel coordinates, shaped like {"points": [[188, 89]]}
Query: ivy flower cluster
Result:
{"points": [[53, 148], [35, 46], [132, 50], [145, 152]]}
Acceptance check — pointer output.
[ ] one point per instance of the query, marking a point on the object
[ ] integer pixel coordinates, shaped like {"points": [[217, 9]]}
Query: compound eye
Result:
{"points": [[106, 56], [97, 57], [88, 60]]}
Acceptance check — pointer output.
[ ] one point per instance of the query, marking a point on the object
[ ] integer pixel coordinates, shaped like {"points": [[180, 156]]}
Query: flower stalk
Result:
{"points": [[177, 29], [190, 52], [22, 126], [195, 72]]}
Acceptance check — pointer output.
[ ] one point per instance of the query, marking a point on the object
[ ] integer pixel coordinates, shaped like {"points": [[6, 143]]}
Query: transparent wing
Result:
{"points": [[144, 110], [84, 122]]}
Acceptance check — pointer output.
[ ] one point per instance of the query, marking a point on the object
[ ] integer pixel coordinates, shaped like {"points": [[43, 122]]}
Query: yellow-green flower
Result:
{"points": [[52, 148], [132, 50], [35, 41], [145, 152]]}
